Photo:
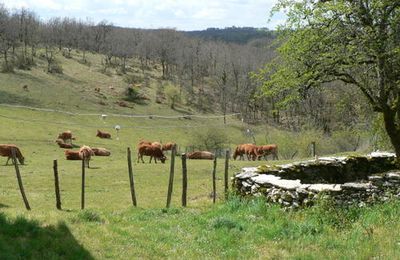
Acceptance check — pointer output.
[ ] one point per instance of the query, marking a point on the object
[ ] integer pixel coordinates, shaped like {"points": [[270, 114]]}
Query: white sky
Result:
{"points": [[179, 14]]}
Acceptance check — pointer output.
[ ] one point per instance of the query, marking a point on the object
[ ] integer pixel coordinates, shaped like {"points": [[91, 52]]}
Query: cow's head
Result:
{"points": [[162, 159], [21, 159]]}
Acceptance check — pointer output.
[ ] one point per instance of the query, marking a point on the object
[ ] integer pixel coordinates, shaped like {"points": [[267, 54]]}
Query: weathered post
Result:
{"points": [[21, 186], [131, 182], [57, 185], [313, 151], [214, 179], [226, 172], [184, 180], [83, 183], [171, 176]]}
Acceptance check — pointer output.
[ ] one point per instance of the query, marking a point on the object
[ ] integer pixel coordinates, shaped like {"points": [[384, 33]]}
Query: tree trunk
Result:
{"points": [[392, 130]]}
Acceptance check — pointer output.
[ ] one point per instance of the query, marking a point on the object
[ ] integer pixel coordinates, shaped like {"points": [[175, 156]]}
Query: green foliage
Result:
{"points": [[24, 63], [133, 79], [210, 139], [55, 67], [379, 137], [132, 94], [172, 94], [347, 41]]}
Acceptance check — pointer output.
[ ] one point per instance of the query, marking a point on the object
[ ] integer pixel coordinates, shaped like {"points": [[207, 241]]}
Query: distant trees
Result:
{"points": [[212, 75]]}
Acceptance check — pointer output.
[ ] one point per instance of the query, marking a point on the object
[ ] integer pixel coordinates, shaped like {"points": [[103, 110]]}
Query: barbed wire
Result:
{"points": [[119, 115]]}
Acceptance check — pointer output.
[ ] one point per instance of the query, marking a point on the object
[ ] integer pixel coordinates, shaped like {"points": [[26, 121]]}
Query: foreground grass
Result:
{"points": [[236, 229]]}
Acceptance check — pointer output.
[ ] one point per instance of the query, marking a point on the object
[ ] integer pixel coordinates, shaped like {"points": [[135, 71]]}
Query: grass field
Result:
{"points": [[110, 227]]}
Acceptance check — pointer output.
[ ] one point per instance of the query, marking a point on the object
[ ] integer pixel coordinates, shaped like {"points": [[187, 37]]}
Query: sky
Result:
{"points": [[151, 14]]}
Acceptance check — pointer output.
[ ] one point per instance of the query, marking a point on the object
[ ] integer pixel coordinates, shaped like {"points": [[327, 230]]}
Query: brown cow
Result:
{"points": [[101, 151], [72, 155], [6, 151], [66, 136], [103, 134], [85, 152], [61, 144], [202, 155], [168, 146], [239, 151], [152, 150], [265, 150]]}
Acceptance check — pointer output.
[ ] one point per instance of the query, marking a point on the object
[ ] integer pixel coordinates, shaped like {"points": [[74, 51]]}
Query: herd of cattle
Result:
{"points": [[145, 148]]}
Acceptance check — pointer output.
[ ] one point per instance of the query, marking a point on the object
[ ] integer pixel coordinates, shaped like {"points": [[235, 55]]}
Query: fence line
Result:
{"points": [[105, 126], [117, 115]]}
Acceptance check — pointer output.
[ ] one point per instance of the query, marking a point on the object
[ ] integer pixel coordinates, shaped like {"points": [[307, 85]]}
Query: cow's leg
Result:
{"points": [[8, 160], [151, 157], [141, 157]]}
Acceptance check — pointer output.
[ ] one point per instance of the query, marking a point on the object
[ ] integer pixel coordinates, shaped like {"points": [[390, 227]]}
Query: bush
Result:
{"points": [[173, 95], [24, 63], [133, 79], [55, 67], [133, 94], [210, 139]]}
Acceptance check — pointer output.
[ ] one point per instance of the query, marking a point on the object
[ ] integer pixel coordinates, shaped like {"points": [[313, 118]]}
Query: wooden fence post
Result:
{"points": [[83, 184], [171, 176], [214, 179], [226, 172], [57, 185], [184, 180], [131, 182], [21, 186], [313, 149]]}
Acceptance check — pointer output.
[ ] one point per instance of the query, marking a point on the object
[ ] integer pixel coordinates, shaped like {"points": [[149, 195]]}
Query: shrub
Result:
{"points": [[133, 94], [23, 63], [133, 79], [210, 139], [55, 67], [173, 95]]}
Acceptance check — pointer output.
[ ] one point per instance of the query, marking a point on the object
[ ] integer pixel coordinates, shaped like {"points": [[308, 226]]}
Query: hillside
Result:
{"points": [[239, 35]]}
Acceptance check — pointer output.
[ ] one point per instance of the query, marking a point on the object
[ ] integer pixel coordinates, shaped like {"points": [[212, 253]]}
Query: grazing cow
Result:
{"points": [[6, 151], [265, 150], [245, 149], [152, 150], [85, 152], [25, 87], [168, 146], [66, 136], [61, 144], [103, 134], [201, 155], [239, 151], [101, 151]]}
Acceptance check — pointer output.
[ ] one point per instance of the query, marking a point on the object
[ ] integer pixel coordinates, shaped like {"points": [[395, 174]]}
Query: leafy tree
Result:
{"points": [[353, 41], [172, 94]]}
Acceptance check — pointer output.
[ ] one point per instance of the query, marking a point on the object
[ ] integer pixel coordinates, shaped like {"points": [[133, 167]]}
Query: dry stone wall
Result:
{"points": [[358, 180]]}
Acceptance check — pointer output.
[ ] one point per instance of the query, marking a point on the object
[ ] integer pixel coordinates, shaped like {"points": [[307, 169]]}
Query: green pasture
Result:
{"points": [[111, 228]]}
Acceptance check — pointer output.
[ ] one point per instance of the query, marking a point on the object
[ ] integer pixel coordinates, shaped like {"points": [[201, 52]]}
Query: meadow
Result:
{"points": [[110, 227]]}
